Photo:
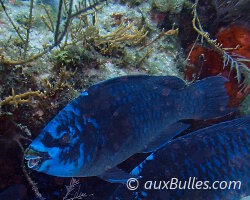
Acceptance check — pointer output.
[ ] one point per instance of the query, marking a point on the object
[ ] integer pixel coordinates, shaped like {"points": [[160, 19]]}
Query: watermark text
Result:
{"points": [[191, 184]]}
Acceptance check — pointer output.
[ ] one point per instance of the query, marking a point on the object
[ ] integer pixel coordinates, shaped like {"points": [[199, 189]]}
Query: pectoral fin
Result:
{"points": [[166, 136], [116, 175]]}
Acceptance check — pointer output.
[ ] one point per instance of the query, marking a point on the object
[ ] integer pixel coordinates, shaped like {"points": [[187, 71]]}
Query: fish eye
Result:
{"points": [[66, 138]]}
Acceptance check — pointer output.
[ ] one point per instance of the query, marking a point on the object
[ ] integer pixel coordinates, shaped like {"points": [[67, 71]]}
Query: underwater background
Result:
{"points": [[51, 51]]}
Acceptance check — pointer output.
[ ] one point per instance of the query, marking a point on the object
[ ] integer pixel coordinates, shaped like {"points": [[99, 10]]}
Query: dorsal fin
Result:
{"points": [[171, 82], [166, 136]]}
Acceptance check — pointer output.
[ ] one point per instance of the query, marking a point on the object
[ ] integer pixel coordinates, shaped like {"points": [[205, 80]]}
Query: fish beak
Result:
{"points": [[33, 157], [33, 162]]}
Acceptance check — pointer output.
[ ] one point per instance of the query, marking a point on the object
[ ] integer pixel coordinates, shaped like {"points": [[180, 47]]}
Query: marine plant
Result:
{"points": [[124, 35]]}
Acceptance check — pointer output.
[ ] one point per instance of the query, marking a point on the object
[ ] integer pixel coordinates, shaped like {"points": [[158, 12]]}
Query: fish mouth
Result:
{"points": [[35, 158]]}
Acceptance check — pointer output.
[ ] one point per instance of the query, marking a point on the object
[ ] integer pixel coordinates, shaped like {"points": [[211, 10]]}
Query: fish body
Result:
{"points": [[217, 153], [119, 117]]}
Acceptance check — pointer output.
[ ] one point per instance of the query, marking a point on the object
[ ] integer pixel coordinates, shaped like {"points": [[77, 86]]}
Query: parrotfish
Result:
{"points": [[114, 119], [194, 163]]}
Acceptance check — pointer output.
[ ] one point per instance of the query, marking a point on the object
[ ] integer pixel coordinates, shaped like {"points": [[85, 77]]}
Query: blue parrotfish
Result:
{"points": [[200, 165], [114, 119]]}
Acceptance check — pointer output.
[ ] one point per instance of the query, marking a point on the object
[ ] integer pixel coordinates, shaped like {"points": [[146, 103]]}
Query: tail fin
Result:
{"points": [[208, 98]]}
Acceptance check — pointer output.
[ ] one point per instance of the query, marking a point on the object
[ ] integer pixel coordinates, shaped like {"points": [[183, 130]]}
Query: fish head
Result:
{"points": [[59, 149]]}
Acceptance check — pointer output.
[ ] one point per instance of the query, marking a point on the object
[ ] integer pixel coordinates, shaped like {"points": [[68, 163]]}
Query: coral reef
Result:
{"points": [[228, 55], [48, 56], [60, 30]]}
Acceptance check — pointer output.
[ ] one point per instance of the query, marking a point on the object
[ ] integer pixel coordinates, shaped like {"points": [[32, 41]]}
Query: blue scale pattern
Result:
{"points": [[217, 153]]}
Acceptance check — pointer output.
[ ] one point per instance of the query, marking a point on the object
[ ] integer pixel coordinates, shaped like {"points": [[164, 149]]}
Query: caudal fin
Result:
{"points": [[208, 98]]}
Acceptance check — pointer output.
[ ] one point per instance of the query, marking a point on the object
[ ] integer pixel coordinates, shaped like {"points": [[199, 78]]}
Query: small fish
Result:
{"points": [[119, 117], [217, 153]]}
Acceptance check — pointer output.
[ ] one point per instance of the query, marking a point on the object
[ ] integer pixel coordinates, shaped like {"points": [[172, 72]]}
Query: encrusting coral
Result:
{"points": [[237, 64]]}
